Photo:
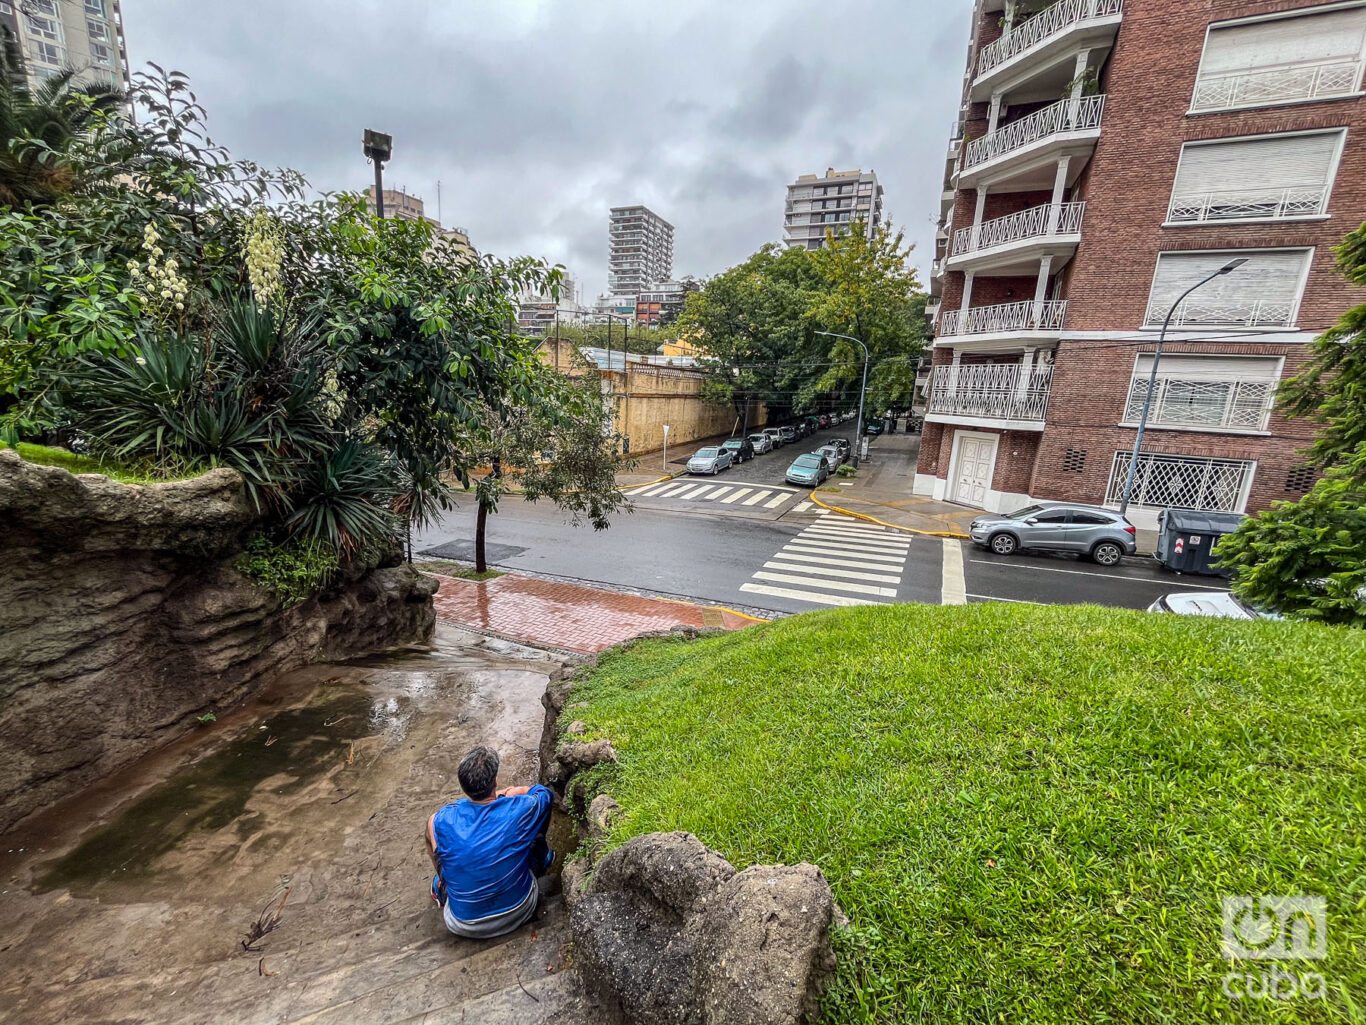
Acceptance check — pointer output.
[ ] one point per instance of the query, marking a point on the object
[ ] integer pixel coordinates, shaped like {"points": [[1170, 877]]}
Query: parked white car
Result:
{"points": [[762, 443], [710, 460], [1219, 604]]}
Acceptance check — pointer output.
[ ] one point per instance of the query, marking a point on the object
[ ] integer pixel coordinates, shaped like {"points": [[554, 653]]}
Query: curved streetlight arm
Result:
{"points": [[1232, 265], [863, 390]]}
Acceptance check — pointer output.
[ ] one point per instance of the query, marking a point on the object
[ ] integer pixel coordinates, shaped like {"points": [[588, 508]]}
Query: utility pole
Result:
{"points": [[379, 148], [863, 390], [1232, 265]]}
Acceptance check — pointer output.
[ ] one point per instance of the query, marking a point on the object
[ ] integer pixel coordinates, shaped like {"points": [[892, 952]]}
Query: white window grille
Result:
{"points": [[1292, 173], [1263, 292], [1182, 482], [1281, 60], [1233, 394], [1004, 391], [1069, 115], [1043, 26]]}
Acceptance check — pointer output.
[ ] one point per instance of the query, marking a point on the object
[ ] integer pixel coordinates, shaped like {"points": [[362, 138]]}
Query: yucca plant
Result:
{"points": [[346, 497]]}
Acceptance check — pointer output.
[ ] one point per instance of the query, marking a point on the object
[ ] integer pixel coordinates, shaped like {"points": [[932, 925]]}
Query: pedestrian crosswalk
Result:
{"points": [[835, 561], [734, 495]]}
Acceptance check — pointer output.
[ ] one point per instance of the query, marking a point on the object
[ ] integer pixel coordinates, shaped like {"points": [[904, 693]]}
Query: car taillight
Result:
{"points": [[1131, 530]]}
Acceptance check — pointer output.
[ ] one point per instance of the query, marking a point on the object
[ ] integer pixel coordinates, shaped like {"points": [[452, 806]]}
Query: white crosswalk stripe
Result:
{"points": [[751, 496], [758, 497], [835, 561], [773, 503], [736, 496]]}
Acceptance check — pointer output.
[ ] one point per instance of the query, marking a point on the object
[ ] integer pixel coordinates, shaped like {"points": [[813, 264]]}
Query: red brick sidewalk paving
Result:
{"points": [[566, 616]]}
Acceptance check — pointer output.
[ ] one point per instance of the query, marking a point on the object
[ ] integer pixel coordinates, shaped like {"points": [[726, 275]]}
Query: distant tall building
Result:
{"points": [[830, 203], [405, 207], [84, 34], [641, 250]]}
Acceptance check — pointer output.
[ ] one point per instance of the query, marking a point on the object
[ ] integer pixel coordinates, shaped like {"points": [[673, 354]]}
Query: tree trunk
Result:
{"points": [[480, 562]]}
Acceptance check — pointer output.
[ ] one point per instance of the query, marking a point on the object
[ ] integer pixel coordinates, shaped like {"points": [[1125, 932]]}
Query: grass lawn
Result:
{"points": [[456, 569], [1030, 814], [46, 455]]}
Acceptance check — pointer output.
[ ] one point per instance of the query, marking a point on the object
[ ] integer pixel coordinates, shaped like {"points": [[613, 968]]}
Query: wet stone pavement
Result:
{"points": [[270, 868]]}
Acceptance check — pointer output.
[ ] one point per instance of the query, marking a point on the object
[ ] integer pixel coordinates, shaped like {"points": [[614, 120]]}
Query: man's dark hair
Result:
{"points": [[478, 773]]}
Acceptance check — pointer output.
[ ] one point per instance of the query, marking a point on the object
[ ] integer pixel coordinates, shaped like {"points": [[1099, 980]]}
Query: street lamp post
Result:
{"points": [[863, 389], [1232, 265], [379, 148]]}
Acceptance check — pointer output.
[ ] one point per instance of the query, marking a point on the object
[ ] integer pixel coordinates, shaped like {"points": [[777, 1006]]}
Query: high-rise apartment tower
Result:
{"points": [[83, 34], [640, 250], [833, 203]]}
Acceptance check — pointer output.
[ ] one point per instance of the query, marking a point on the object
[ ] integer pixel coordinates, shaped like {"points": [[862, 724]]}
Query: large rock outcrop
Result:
{"points": [[122, 618], [666, 932]]}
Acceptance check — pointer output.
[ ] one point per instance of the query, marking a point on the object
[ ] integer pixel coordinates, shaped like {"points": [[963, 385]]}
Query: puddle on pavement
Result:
{"points": [[297, 745]]}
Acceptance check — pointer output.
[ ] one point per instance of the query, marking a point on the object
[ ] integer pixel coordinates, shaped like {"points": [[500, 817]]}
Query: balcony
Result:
{"points": [[1034, 138], [1059, 28], [1007, 318], [1249, 205], [1195, 312], [1014, 243], [1004, 394], [1279, 83]]}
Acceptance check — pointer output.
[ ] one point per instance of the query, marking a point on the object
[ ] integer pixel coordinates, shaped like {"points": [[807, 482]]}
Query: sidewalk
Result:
{"points": [[567, 617], [882, 490]]}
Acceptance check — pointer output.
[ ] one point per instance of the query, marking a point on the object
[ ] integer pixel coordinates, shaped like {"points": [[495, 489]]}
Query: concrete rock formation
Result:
{"points": [[666, 932], [122, 618]]}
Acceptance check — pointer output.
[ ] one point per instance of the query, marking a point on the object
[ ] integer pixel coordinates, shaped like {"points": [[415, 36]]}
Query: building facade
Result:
{"points": [[640, 250], [407, 207], [832, 202], [55, 34], [1109, 155]]}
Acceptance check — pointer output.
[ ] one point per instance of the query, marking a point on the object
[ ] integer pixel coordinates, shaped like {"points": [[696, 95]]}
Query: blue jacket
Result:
{"points": [[483, 848]]}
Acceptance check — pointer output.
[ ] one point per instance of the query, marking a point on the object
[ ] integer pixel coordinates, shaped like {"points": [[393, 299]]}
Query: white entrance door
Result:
{"points": [[973, 471]]}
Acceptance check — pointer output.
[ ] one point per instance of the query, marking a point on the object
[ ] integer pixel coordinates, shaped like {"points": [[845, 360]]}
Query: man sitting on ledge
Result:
{"points": [[488, 851]]}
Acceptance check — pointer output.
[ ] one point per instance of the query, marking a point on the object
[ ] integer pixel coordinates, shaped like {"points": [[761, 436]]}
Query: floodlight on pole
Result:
{"points": [[379, 148], [1227, 268]]}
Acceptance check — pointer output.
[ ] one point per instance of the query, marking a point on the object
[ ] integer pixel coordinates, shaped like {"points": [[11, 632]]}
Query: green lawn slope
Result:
{"points": [[1030, 814]]}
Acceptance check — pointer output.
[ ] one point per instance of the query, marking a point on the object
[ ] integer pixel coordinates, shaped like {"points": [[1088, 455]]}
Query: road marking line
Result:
{"points": [[954, 590], [693, 491], [703, 493], [822, 512], [876, 578], [1013, 601], [656, 489], [674, 489], [872, 539], [812, 549], [815, 599], [854, 526], [801, 507], [852, 544], [717, 493], [834, 585], [826, 527], [851, 563], [846, 484], [778, 501], [759, 497], [1092, 573], [739, 494]]}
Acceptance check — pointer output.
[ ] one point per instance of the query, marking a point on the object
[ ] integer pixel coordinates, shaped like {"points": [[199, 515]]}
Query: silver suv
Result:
{"points": [[1102, 535]]}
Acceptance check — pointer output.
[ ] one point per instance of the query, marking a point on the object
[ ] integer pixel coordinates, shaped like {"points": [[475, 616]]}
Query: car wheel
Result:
{"points": [[1004, 544], [1107, 553]]}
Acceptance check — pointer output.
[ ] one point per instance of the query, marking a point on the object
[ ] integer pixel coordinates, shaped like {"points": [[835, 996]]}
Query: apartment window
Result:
{"points": [[1281, 60], [41, 7], [100, 53], [47, 53], [866, 188], [45, 28], [1222, 393], [96, 7], [1264, 292], [1182, 482], [1273, 177], [98, 30]]}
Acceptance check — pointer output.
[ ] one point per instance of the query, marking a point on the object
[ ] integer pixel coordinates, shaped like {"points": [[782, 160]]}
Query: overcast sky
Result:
{"points": [[538, 115]]}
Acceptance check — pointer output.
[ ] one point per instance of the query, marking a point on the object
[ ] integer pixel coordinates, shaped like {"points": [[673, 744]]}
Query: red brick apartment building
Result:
{"points": [[1110, 154]]}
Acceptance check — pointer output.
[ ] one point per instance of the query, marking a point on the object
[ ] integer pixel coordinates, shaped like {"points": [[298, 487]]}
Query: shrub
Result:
{"points": [[293, 571]]}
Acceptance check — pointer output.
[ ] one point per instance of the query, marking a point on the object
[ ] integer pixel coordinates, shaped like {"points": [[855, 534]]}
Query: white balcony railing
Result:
{"points": [[1279, 83], [1036, 222], [1196, 312], [1001, 391], [1068, 115], [1023, 316], [1238, 204], [1043, 26], [1239, 404]]}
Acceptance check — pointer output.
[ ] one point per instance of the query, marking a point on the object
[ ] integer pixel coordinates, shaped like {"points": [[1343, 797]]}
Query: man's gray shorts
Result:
{"points": [[494, 925]]}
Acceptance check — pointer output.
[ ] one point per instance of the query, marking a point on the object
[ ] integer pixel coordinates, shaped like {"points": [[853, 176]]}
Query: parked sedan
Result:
{"points": [[1102, 535], [789, 433], [834, 455], [709, 460], [873, 427], [1219, 604], [824, 420], [740, 449], [809, 470], [775, 435], [845, 447], [762, 443]]}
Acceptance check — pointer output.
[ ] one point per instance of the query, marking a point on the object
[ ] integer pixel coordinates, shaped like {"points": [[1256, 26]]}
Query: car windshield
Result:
{"points": [[810, 462], [731, 443], [757, 437], [705, 453], [1025, 513]]}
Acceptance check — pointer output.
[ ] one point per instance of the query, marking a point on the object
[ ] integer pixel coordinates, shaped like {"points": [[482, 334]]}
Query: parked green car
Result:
{"points": [[809, 470]]}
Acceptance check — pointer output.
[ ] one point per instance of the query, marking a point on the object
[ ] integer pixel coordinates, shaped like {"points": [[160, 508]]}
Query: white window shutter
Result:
{"points": [[1209, 368], [1263, 292], [1335, 35]]}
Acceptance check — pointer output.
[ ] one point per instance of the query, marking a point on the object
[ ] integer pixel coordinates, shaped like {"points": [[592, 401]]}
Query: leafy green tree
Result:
{"points": [[40, 128], [1308, 558]]}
